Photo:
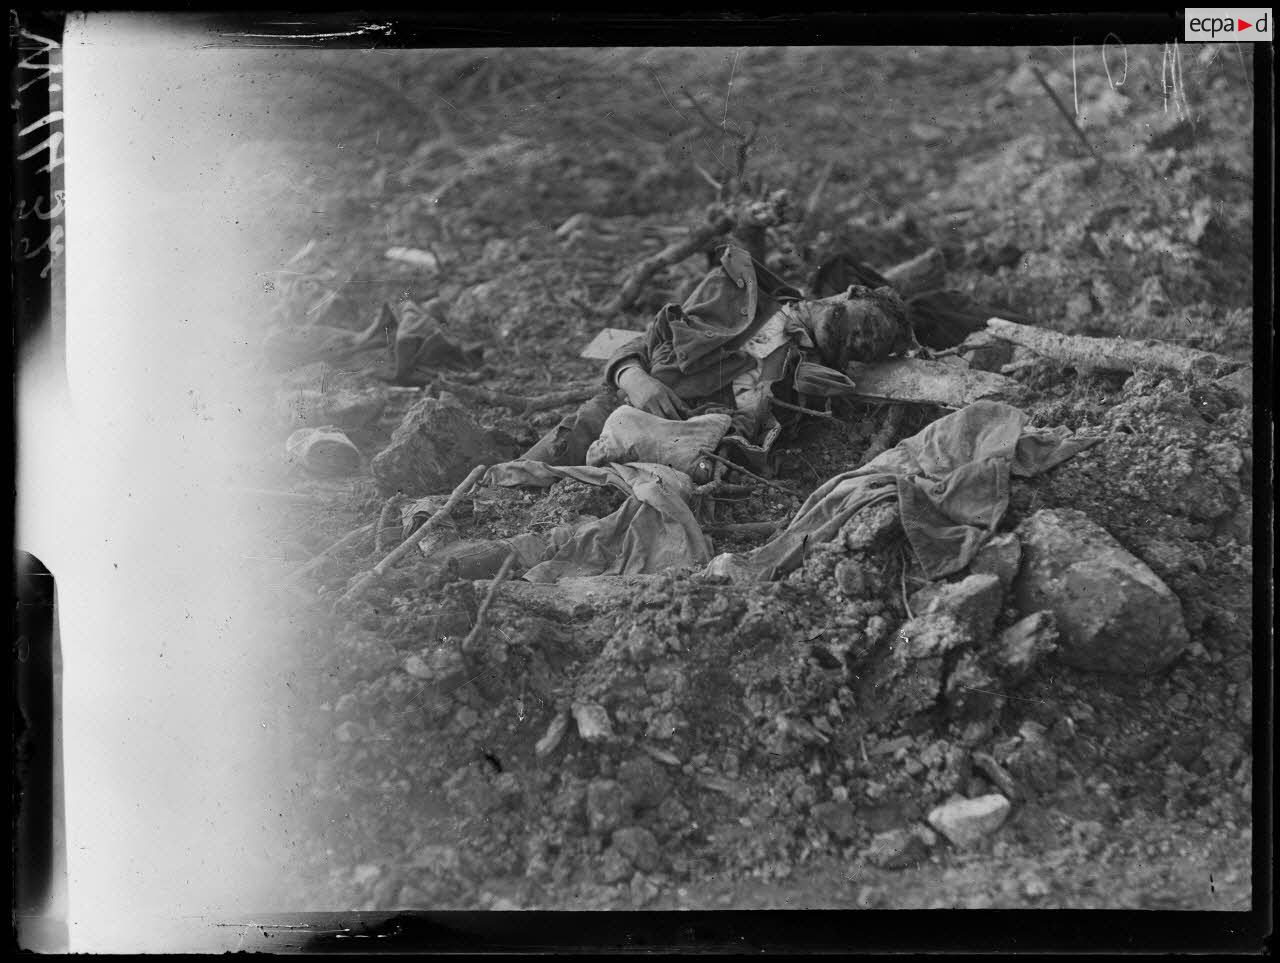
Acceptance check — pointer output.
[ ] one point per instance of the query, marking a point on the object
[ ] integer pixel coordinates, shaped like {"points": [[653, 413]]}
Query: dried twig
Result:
{"points": [[374, 574], [814, 412], [750, 474], [472, 639], [717, 487], [715, 184]]}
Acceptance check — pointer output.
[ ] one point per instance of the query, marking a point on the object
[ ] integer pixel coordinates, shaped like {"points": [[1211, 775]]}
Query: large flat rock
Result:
{"points": [[1113, 613]]}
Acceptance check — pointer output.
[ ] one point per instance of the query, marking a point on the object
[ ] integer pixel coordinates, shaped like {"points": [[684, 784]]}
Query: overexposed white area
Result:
{"points": [[126, 489]]}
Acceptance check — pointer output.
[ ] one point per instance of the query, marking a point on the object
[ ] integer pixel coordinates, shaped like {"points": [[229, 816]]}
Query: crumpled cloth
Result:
{"points": [[653, 532], [420, 339], [952, 484], [630, 435]]}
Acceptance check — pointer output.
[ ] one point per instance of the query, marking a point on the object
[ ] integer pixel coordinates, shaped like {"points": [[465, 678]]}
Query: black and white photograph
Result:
{"points": [[654, 473]]}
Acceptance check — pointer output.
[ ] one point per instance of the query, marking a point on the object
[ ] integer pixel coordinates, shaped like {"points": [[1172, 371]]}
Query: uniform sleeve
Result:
{"points": [[635, 351]]}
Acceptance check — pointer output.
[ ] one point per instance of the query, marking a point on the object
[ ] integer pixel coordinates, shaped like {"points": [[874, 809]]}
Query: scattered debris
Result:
{"points": [[974, 601], [323, 451], [593, 722], [1023, 645], [551, 738], [410, 255], [1001, 556], [998, 775], [966, 822]]}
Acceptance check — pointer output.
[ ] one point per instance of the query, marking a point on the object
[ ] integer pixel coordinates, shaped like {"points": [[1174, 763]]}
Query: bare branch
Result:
{"points": [[374, 574], [472, 640], [816, 413], [734, 466], [672, 254]]}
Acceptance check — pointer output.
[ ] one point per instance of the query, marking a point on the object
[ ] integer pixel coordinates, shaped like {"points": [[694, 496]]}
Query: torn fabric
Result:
{"points": [[654, 531], [951, 481]]}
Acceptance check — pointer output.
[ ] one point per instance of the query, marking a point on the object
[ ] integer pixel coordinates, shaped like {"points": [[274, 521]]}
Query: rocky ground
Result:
{"points": [[846, 736]]}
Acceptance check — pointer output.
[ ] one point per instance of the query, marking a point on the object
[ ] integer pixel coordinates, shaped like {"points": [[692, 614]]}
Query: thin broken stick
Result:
{"points": [[723, 488], [815, 412], [409, 544], [472, 639], [902, 574], [750, 474]]}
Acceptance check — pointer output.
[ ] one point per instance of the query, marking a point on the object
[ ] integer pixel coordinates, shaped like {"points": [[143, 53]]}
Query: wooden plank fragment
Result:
{"points": [[606, 342], [919, 381], [1114, 354]]}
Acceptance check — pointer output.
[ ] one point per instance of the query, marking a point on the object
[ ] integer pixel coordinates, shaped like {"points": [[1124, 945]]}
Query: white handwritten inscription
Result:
{"points": [[44, 62]]}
